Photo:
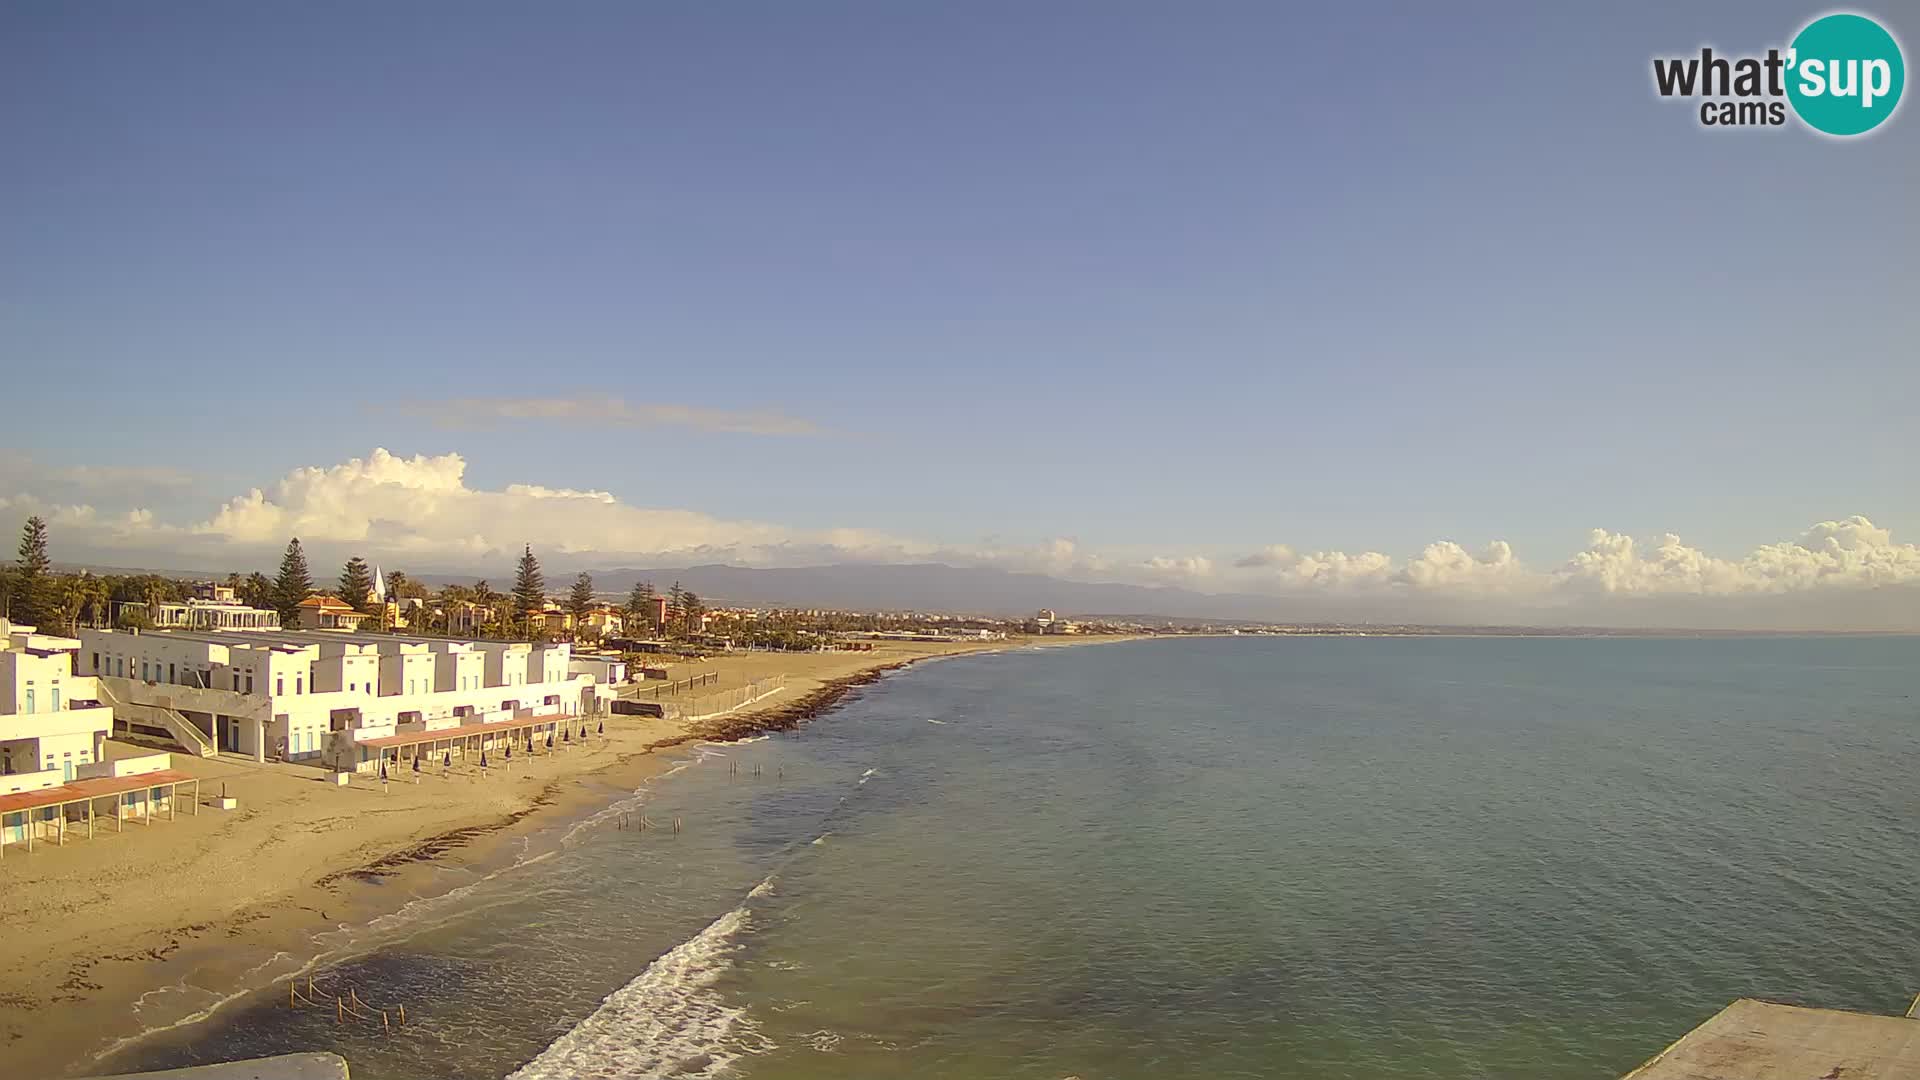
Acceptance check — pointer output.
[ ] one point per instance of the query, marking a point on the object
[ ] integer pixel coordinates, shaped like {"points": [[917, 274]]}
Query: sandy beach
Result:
{"points": [[100, 929]]}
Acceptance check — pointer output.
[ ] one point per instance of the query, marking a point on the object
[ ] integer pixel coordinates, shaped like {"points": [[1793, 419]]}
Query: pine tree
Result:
{"points": [[692, 610], [580, 599], [676, 603], [640, 604], [33, 601], [293, 585], [529, 588], [356, 584]]}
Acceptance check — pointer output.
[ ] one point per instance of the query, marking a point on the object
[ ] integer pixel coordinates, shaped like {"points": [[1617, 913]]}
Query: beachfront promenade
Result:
{"points": [[283, 1067], [1760, 1040]]}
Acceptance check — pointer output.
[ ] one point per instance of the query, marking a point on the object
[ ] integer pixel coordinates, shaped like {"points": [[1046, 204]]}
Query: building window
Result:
{"points": [[279, 686], [29, 708], [298, 686], [249, 684]]}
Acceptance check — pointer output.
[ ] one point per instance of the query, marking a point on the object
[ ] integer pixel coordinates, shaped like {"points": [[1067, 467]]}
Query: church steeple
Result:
{"points": [[379, 586]]}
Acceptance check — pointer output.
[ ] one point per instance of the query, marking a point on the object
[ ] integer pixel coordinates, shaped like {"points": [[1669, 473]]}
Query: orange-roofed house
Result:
{"points": [[329, 613]]}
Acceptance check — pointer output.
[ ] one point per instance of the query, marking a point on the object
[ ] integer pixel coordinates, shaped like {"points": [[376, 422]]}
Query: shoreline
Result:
{"points": [[133, 971]]}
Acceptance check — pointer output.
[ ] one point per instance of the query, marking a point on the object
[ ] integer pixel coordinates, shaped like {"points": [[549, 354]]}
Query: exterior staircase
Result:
{"points": [[170, 721]]}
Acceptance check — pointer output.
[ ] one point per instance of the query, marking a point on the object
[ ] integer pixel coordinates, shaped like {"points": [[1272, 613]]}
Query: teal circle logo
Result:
{"points": [[1845, 74]]}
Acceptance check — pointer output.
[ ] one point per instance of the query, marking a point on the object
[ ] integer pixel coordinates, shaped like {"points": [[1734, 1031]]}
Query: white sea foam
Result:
{"points": [[346, 941], [669, 1021], [931, 720], [868, 775]]}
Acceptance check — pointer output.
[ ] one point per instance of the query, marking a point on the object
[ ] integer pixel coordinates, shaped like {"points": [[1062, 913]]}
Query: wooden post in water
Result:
{"points": [[403, 1013], [339, 1010]]}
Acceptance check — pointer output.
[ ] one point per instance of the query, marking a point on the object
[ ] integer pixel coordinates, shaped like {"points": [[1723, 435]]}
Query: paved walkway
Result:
{"points": [[1758, 1040]]}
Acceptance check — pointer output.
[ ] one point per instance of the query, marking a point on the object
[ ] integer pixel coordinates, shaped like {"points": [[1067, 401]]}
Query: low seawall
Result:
{"points": [[283, 1067]]}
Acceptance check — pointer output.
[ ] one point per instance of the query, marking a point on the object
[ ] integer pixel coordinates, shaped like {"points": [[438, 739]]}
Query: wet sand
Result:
{"points": [[128, 932]]}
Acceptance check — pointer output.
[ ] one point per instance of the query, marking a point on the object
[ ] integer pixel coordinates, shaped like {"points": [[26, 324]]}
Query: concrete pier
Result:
{"points": [[1758, 1040], [283, 1067]]}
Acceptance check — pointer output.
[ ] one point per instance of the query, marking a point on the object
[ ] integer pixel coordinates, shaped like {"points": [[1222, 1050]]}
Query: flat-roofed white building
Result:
{"points": [[458, 665], [611, 670], [51, 721], [296, 694]]}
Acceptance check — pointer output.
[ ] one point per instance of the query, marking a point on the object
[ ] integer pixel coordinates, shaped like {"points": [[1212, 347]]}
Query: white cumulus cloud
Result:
{"points": [[1852, 552], [420, 511]]}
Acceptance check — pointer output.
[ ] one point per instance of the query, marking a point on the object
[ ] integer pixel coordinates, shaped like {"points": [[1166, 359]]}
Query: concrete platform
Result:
{"points": [[284, 1067], [1758, 1040]]}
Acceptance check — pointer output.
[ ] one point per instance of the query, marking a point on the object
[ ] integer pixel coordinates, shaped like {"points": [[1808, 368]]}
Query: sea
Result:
{"points": [[1361, 858]]}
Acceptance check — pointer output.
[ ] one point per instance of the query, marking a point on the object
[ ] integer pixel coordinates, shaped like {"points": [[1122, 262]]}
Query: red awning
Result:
{"points": [[96, 788]]}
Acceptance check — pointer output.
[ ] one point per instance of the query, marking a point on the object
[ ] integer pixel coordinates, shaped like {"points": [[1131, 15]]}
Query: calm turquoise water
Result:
{"points": [[1315, 857]]}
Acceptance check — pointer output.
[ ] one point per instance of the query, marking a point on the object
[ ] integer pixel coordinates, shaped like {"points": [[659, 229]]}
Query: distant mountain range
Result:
{"points": [[959, 590]]}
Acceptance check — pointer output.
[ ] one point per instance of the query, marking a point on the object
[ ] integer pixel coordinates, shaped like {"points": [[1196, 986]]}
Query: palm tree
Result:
{"points": [[97, 601], [70, 594]]}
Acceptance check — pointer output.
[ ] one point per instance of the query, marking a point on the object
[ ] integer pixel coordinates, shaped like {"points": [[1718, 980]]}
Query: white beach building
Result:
{"points": [[51, 723], [213, 615], [321, 696]]}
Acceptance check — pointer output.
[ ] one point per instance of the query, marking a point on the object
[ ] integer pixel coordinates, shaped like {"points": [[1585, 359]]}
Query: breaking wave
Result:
{"points": [[669, 1021]]}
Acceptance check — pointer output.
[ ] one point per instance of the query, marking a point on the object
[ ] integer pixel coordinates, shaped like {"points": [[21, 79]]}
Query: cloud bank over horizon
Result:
{"points": [[420, 513]]}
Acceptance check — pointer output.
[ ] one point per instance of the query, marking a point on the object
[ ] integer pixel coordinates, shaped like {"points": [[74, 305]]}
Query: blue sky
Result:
{"points": [[1180, 279]]}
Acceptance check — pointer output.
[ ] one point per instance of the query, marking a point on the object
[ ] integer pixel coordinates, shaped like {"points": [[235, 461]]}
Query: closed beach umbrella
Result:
{"points": [[583, 731], [447, 759], [483, 759], [383, 770], [602, 730], [416, 763], [567, 735], [509, 751], [549, 740]]}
